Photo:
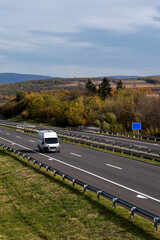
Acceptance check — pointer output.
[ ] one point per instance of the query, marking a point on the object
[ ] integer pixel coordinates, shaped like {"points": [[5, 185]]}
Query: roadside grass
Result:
{"points": [[31, 121], [35, 205]]}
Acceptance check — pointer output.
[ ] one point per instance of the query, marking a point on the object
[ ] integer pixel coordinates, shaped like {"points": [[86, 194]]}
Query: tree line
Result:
{"points": [[97, 106], [104, 89]]}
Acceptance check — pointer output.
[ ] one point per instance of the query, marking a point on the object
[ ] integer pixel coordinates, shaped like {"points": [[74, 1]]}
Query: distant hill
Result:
{"points": [[132, 77], [6, 78], [123, 77], [46, 83]]}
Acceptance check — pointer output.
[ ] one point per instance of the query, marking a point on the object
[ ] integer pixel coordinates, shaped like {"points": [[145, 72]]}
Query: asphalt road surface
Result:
{"points": [[130, 180], [117, 140]]}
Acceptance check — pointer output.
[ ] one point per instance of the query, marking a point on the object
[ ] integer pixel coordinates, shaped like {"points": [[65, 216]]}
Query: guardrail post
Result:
{"points": [[121, 148], [14, 151], [98, 194], [23, 155], [131, 149], [47, 167], [28, 158], [139, 149], [73, 182], [10, 149], [34, 161], [133, 210], [54, 172], [114, 202], [63, 176], [19, 153], [85, 187], [106, 143], [113, 146], [40, 165], [156, 221]]}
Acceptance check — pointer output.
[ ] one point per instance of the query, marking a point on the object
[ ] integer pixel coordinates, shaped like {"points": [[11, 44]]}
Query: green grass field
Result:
{"points": [[35, 205]]}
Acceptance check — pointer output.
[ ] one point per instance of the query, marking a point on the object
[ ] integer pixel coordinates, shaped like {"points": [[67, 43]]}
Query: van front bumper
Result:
{"points": [[52, 149]]}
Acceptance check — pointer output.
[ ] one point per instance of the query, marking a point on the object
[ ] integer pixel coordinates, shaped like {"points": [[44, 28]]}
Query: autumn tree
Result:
{"points": [[20, 96]]}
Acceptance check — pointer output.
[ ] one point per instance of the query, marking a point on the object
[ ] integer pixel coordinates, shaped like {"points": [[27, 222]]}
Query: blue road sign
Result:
{"points": [[136, 126]]}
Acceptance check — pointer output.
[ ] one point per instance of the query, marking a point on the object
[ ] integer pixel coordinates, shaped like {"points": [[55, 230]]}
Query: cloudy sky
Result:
{"points": [[80, 38]]}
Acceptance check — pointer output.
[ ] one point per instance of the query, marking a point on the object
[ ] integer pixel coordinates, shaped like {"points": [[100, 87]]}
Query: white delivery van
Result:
{"points": [[48, 141]]}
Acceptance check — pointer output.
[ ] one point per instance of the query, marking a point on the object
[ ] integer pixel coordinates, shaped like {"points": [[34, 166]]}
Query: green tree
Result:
{"points": [[90, 87], [104, 88], [119, 85], [20, 96]]}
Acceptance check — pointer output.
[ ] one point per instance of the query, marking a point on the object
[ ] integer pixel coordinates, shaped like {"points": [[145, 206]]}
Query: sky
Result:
{"points": [[80, 38]]}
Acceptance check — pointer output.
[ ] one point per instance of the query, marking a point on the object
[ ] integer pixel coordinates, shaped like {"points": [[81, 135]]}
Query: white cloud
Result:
{"points": [[21, 23], [68, 15]]}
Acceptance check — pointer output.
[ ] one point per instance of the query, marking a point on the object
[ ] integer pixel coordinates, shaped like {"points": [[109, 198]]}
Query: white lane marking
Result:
{"points": [[92, 174], [140, 196], [77, 155], [113, 166], [32, 141], [8, 133], [50, 159], [18, 136]]}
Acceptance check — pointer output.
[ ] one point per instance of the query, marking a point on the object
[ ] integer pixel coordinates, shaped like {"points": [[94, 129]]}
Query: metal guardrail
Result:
{"points": [[132, 150], [134, 209], [123, 134]]}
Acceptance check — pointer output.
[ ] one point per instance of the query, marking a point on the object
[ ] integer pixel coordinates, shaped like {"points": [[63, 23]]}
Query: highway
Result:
{"points": [[130, 180], [135, 143]]}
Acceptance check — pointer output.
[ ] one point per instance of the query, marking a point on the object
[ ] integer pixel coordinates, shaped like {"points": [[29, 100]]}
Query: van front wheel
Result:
{"points": [[39, 148]]}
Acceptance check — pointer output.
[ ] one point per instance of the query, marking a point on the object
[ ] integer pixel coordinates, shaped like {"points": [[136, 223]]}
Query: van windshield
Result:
{"points": [[51, 140]]}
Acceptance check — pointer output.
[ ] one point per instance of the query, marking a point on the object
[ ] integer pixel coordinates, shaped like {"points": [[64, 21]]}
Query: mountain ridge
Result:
{"points": [[7, 78]]}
